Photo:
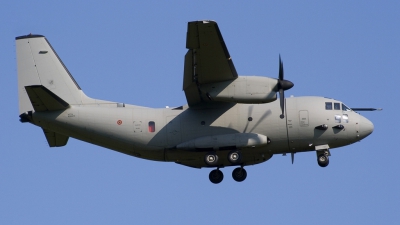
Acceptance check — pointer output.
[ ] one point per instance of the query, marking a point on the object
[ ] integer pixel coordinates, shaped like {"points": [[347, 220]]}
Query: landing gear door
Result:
{"points": [[173, 131]]}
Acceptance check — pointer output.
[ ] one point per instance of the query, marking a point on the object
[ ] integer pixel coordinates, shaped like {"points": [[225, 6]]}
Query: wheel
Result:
{"points": [[216, 176], [234, 156], [323, 160], [239, 174], [211, 159]]}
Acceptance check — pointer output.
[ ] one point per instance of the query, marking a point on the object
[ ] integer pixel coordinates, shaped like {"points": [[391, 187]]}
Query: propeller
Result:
{"points": [[263, 116], [250, 111], [259, 121], [283, 85]]}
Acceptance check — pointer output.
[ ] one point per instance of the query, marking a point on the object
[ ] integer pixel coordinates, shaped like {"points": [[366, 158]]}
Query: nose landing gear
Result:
{"points": [[323, 157], [323, 160]]}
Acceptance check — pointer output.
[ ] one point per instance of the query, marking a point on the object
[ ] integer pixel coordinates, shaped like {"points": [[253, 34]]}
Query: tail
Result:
{"points": [[40, 68], [45, 84]]}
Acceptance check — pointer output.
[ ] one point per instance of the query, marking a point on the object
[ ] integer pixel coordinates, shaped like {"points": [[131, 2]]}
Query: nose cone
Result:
{"points": [[366, 127]]}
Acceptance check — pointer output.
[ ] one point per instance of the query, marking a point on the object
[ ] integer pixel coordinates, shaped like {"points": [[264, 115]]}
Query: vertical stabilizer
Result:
{"points": [[39, 64]]}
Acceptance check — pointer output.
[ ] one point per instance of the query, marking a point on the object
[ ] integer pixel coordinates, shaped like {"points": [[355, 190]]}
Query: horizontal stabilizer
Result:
{"points": [[43, 99], [55, 139]]}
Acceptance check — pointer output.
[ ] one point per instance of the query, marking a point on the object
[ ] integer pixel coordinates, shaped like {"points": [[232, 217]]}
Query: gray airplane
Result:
{"points": [[229, 120]]}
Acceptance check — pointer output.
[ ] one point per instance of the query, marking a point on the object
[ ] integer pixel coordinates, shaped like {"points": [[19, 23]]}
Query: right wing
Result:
{"points": [[207, 61]]}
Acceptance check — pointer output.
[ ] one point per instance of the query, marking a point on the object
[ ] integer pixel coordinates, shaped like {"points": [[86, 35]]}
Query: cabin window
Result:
{"points": [[345, 118], [336, 106], [345, 108], [152, 126], [328, 105]]}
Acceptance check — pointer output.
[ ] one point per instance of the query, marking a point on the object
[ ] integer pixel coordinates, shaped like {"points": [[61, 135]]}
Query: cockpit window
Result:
{"points": [[345, 108], [328, 105], [336, 106]]}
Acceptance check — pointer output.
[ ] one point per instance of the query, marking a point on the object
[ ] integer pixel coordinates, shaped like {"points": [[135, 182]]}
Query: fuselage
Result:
{"points": [[155, 133]]}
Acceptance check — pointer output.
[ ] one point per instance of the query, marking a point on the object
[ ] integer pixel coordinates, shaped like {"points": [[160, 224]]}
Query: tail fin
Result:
{"points": [[39, 65]]}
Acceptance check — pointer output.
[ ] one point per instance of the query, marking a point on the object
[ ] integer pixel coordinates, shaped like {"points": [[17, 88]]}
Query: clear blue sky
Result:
{"points": [[133, 53]]}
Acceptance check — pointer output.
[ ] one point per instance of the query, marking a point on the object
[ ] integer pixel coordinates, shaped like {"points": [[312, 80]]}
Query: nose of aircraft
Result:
{"points": [[365, 127]]}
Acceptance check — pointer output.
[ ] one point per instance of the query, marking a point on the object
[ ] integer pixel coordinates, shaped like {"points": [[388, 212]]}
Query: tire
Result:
{"points": [[239, 174], [323, 160], [211, 159], [216, 176], [235, 157]]}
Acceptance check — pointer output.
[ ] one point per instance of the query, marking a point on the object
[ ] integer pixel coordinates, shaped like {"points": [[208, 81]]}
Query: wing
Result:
{"points": [[207, 61]]}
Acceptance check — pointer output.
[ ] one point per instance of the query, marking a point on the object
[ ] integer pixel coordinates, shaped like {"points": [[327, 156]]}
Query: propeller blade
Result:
{"points": [[283, 85], [250, 111], [282, 100], [280, 68], [292, 155], [265, 115]]}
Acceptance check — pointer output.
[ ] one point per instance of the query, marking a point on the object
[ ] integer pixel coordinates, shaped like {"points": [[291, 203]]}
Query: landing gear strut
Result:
{"points": [[216, 176], [239, 174]]}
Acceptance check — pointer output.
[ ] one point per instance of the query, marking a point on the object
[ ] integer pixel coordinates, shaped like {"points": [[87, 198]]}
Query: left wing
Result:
{"points": [[207, 61]]}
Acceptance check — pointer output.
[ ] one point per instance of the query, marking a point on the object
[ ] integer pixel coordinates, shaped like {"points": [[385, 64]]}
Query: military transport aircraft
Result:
{"points": [[229, 120]]}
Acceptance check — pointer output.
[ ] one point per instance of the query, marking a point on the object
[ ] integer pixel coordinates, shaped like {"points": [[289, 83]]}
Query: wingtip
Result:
{"points": [[203, 21]]}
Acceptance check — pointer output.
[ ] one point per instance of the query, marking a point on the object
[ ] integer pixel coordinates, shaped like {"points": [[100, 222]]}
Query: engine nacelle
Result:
{"points": [[245, 89]]}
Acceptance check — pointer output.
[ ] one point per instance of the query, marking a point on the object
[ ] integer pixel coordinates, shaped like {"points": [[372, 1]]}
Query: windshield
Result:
{"points": [[345, 108]]}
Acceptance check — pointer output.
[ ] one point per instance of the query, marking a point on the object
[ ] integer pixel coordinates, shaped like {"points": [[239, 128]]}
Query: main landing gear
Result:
{"points": [[239, 174], [234, 157], [216, 176]]}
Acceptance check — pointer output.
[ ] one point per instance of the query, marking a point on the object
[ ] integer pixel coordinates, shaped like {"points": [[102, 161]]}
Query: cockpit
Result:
{"points": [[336, 106]]}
